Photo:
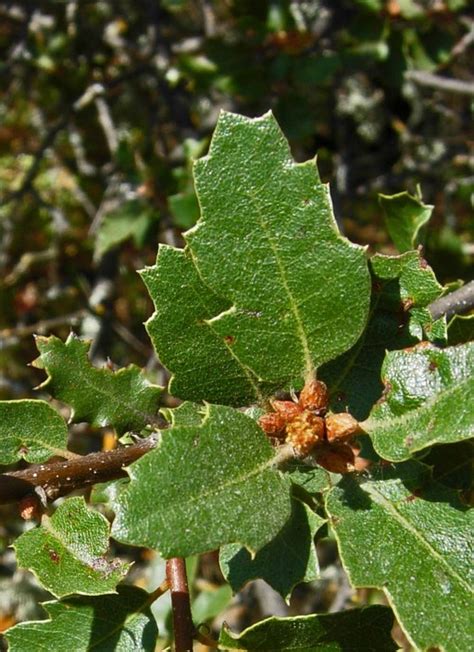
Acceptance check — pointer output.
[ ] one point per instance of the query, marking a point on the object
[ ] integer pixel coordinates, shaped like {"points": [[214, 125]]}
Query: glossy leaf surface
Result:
{"points": [[205, 486], [284, 562], [404, 217], [109, 623], [124, 399], [30, 429], [429, 399], [409, 536], [365, 629], [67, 552]]}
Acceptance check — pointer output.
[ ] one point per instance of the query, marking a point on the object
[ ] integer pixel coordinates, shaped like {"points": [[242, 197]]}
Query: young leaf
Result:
{"points": [[365, 629], [404, 217], [32, 430], [204, 486], [109, 623], [67, 552], [288, 291], [203, 363], [123, 399], [402, 288], [284, 562], [409, 536], [429, 399]]}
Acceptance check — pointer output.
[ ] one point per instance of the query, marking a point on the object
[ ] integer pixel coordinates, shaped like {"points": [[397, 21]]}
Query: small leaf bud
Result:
{"points": [[314, 396], [341, 427]]}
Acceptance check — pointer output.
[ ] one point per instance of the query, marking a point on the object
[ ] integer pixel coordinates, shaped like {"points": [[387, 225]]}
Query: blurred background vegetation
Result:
{"points": [[104, 106]]}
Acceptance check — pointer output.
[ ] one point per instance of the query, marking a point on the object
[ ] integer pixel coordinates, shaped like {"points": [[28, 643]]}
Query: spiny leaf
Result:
{"points": [[271, 290], [402, 288], [429, 399], [67, 551], [204, 486], [32, 430], [365, 629], [284, 562], [409, 536], [107, 623], [404, 217], [123, 399], [203, 363]]}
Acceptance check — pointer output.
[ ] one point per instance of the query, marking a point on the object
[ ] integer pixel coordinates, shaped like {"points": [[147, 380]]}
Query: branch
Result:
{"points": [[441, 83], [180, 604], [454, 303], [59, 478]]}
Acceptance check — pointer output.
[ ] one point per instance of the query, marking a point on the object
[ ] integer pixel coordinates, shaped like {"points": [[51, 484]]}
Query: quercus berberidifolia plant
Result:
{"points": [[317, 384]]}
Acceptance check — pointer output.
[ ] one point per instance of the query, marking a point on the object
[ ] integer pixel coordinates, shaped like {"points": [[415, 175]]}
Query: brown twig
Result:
{"points": [[180, 604], [455, 303], [59, 478]]}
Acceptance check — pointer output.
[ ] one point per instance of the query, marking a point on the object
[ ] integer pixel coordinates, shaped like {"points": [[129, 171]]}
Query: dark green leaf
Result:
{"points": [[269, 289], [123, 399], [284, 562], [131, 220], [67, 551], [205, 486], [107, 623], [404, 217], [32, 430], [365, 629], [409, 536], [429, 399], [402, 288]]}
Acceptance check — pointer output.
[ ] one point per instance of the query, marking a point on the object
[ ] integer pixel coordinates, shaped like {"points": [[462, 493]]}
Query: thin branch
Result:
{"points": [[180, 604], [59, 478], [441, 83], [455, 303]]}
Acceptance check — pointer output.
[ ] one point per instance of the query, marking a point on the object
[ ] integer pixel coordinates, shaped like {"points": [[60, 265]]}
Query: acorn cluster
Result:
{"points": [[305, 425]]}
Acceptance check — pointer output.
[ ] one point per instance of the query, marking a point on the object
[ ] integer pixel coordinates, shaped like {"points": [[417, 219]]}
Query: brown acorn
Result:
{"points": [[341, 427], [305, 431], [314, 396]]}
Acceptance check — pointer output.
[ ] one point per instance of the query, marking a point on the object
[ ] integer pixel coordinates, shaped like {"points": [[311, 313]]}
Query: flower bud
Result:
{"points": [[286, 409], [341, 427], [305, 431], [314, 396], [272, 424]]}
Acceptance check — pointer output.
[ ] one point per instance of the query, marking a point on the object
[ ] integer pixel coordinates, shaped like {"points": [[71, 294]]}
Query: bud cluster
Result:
{"points": [[305, 425]]}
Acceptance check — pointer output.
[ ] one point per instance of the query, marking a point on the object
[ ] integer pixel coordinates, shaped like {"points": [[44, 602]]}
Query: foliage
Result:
{"points": [[106, 108]]}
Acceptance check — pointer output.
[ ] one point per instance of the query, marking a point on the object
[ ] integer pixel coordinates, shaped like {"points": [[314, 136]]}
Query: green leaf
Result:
{"points": [[284, 562], [210, 603], [186, 414], [402, 533], [461, 329], [429, 399], [131, 220], [123, 399], [277, 290], [205, 486], [365, 629], [313, 480], [67, 552], [31, 430], [404, 216], [402, 288], [203, 363], [107, 623]]}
